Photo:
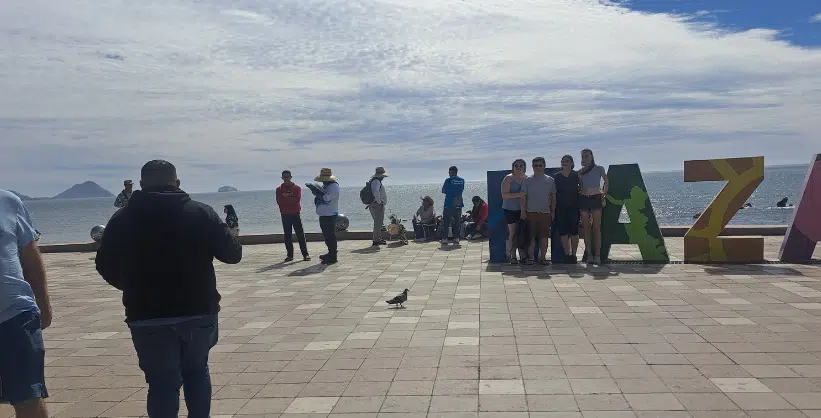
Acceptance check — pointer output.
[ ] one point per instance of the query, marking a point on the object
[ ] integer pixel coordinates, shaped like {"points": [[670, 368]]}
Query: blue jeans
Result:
{"points": [[451, 217], [22, 359], [174, 356]]}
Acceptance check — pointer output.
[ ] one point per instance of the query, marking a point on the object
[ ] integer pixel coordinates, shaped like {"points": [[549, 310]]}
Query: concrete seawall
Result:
{"points": [[254, 239]]}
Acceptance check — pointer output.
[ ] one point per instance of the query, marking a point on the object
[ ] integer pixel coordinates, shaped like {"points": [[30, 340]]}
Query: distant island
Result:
{"points": [[227, 189], [77, 191], [84, 190]]}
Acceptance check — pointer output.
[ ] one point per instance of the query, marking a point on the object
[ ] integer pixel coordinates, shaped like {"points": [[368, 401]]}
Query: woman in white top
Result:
{"points": [[424, 219], [591, 203]]}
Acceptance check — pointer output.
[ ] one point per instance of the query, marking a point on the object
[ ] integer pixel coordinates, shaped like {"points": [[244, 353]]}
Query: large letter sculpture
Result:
{"points": [[702, 242], [627, 190], [497, 227], [805, 230]]}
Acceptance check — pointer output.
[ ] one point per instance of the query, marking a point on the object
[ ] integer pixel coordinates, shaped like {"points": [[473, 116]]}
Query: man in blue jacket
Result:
{"points": [[452, 214]]}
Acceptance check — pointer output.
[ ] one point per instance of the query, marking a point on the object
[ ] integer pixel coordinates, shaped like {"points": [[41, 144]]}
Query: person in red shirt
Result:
{"points": [[478, 214], [289, 195]]}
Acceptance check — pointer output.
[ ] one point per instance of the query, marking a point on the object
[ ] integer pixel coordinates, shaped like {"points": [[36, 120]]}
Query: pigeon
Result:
{"points": [[399, 299]]}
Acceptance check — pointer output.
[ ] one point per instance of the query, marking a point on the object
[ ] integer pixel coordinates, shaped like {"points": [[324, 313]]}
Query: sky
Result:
{"points": [[234, 91]]}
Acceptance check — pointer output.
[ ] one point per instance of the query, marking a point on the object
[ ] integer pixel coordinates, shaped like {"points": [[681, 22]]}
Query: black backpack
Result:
{"points": [[366, 194]]}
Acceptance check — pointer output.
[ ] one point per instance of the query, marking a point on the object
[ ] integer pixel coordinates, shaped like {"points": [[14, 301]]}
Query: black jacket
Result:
{"points": [[160, 249]]}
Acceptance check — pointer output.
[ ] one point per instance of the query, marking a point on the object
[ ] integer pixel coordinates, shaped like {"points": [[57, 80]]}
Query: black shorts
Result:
{"points": [[512, 216], [590, 203], [567, 221]]}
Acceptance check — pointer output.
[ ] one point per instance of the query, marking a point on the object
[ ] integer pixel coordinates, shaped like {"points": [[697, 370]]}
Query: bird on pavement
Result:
{"points": [[399, 299]]}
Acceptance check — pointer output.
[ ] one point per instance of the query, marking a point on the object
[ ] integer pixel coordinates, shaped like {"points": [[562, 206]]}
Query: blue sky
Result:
{"points": [[235, 91]]}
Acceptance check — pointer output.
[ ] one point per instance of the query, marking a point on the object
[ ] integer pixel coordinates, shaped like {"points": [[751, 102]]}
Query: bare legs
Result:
{"points": [[32, 408], [511, 241], [597, 231], [586, 234], [591, 220]]}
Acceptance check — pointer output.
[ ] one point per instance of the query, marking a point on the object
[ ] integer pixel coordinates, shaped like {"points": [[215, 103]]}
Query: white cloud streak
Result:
{"points": [[234, 91]]}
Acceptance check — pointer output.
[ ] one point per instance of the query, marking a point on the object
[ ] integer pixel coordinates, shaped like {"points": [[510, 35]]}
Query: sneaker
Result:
{"points": [[444, 241], [306, 258], [375, 244], [329, 260], [597, 260], [456, 241], [323, 256], [289, 259]]}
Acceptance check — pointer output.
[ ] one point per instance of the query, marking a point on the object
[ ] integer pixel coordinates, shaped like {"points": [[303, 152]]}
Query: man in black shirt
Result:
{"points": [[159, 250], [567, 208]]}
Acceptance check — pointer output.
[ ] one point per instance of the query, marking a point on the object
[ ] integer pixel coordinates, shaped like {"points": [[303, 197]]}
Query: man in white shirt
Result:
{"points": [[377, 206], [327, 208]]}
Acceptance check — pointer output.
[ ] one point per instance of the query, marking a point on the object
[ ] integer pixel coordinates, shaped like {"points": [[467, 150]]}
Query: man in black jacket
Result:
{"points": [[159, 250]]}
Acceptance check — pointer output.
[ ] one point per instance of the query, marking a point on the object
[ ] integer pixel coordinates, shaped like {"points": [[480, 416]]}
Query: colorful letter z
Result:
{"points": [[702, 242]]}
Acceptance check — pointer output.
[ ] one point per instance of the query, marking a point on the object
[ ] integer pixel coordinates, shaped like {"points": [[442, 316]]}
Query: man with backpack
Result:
{"points": [[373, 195]]}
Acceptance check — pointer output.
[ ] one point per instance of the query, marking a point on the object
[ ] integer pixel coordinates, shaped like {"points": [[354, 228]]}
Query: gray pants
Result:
{"points": [[378, 215]]}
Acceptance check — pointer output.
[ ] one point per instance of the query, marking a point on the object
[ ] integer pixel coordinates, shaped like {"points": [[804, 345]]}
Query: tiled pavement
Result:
{"points": [[474, 340]]}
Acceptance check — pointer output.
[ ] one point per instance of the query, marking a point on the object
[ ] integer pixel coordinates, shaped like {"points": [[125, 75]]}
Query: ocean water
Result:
{"points": [[675, 202]]}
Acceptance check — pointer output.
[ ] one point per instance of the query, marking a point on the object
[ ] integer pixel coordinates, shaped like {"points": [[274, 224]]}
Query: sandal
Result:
{"points": [[511, 257], [544, 262]]}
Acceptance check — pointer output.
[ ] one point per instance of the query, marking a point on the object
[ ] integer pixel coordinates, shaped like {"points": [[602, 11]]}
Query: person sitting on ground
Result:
{"points": [[425, 217], [478, 216]]}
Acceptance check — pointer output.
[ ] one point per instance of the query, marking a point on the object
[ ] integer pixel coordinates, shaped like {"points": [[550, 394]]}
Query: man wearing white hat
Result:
{"points": [[377, 205], [327, 208]]}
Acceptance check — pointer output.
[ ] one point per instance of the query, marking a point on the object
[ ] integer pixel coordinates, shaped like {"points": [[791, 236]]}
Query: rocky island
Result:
{"points": [[84, 190], [78, 191], [224, 189]]}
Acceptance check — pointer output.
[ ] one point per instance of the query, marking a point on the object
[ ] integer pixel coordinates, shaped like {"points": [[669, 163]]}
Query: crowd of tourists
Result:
{"points": [[159, 248]]}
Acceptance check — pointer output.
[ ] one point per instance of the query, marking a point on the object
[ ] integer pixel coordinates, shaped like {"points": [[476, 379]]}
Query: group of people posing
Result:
{"points": [[574, 199]]}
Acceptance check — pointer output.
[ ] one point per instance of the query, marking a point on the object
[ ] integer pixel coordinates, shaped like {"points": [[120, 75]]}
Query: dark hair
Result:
{"points": [[586, 168], [453, 168], [286, 172], [518, 160], [572, 163], [540, 159], [158, 173], [230, 210], [477, 200]]}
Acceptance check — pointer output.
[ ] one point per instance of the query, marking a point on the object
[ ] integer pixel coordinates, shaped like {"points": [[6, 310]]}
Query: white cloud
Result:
{"points": [[234, 91], [816, 18]]}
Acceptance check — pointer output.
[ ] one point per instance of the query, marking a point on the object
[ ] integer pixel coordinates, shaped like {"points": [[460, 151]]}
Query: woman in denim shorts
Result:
{"points": [[511, 203], [591, 203]]}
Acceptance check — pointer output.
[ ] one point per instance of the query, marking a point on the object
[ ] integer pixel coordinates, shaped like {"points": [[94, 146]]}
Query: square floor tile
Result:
{"points": [[312, 405], [501, 387], [739, 385], [451, 341], [322, 345]]}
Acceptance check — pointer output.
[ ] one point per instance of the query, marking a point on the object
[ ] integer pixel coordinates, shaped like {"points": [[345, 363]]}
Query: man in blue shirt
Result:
{"points": [[452, 214], [25, 311]]}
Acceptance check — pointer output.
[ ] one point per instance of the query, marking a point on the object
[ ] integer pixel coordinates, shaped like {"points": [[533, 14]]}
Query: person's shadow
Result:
{"points": [[307, 271]]}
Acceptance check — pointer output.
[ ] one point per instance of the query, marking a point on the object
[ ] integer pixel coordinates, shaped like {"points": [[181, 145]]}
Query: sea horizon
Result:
{"points": [[674, 202]]}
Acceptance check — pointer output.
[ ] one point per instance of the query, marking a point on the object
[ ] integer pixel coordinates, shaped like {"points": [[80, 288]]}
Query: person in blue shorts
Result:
{"points": [[25, 311], [452, 214]]}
